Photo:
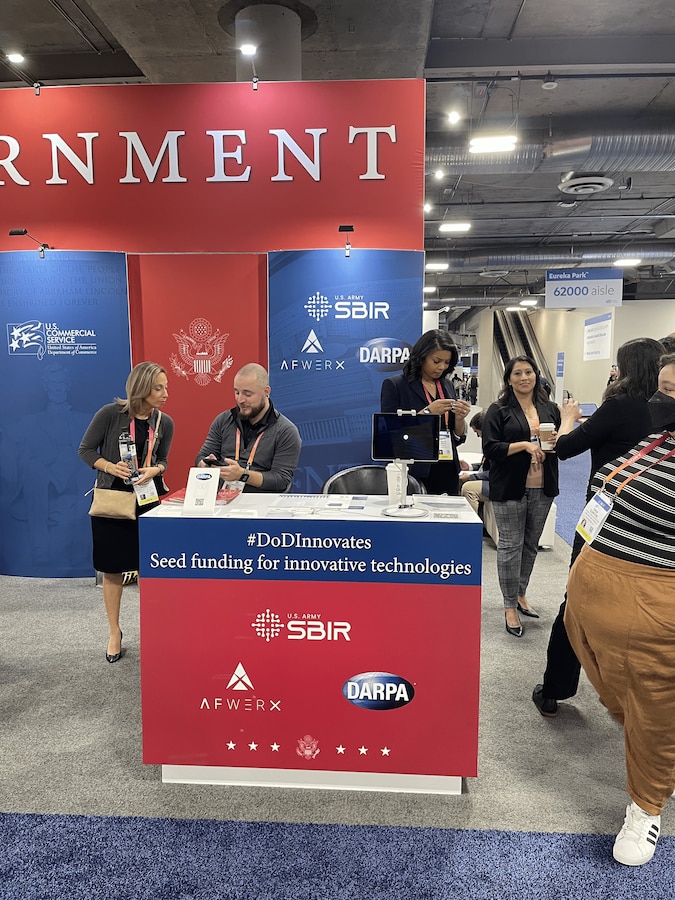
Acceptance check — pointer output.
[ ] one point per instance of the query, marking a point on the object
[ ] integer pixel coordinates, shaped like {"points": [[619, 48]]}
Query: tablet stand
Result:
{"points": [[406, 508]]}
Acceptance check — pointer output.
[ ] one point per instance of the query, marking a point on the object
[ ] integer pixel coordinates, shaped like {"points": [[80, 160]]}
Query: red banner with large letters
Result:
{"points": [[214, 167]]}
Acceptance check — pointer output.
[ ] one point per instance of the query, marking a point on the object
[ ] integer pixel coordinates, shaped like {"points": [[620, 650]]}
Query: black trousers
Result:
{"points": [[561, 678]]}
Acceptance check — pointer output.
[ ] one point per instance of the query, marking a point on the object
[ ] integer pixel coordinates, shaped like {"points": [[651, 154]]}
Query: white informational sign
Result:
{"points": [[201, 491], [571, 288], [598, 337], [559, 377]]}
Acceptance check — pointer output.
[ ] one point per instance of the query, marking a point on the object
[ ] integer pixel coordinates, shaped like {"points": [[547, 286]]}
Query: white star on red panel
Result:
{"points": [[275, 747], [341, 749], [253, 746], [363, 751], [386, 751], [231, 745]]}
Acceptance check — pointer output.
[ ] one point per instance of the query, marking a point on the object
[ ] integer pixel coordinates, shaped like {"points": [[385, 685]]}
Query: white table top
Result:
{"points": [[327, 506]]}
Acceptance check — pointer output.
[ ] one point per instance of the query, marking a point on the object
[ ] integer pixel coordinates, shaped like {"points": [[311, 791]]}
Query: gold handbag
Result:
{"points": [[113, 504]]}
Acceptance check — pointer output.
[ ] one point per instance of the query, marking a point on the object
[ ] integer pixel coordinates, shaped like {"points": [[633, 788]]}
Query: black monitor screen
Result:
{"points": [[405, 437]]}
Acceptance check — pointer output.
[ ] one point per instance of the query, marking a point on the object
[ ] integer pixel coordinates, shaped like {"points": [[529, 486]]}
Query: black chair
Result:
{"points": [[365, 480]]}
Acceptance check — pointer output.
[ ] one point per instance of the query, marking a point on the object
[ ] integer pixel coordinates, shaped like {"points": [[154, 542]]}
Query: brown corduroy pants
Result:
{"points": [[620, 619]]}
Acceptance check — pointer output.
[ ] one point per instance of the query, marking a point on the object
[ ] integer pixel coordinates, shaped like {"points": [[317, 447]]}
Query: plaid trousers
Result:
{"points": [[520, 524]]}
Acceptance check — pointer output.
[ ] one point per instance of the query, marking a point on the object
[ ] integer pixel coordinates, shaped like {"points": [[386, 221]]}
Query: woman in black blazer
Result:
{"points": [[425, 387], [523, 480]]}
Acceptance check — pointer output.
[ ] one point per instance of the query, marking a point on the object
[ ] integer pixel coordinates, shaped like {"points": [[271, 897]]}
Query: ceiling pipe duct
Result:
{"points": [[649, 152], [550, 258]]}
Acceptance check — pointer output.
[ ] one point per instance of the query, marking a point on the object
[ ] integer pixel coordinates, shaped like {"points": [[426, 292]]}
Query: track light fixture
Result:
{"points": [[348, 246], [23, 232]]}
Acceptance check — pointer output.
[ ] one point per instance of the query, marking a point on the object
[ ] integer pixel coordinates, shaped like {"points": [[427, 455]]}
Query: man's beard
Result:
{"points": [[252, 413]]}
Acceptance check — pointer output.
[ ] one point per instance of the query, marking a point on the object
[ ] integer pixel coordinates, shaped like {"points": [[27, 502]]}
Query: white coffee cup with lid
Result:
{"points": [[546, 430]]}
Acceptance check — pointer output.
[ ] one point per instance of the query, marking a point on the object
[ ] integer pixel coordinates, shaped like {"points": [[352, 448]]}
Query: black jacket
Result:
{"points": [[504, 425], [399, 393]]}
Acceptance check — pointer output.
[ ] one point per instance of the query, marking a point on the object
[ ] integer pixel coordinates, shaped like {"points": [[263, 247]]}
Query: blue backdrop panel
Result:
{"points": [[65, 326], [337, 327]]}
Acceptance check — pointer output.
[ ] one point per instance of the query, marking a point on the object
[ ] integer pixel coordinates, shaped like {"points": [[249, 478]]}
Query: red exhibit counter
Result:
{"points": [[311, 641]]}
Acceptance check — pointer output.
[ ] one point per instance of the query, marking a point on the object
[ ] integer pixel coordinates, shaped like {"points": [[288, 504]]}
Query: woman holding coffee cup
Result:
{"points": [[523, 479]]}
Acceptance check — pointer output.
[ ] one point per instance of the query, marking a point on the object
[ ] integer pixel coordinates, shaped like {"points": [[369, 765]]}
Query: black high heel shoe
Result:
{"points": [[527, 612], [515, 630], [114, 657]]}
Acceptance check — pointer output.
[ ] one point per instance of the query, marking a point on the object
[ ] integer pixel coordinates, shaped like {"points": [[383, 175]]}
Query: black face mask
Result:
{"points": [[662, 410]]}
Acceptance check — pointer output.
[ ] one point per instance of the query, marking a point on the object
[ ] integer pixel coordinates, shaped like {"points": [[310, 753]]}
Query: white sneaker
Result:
{"points": [[636, 842]]}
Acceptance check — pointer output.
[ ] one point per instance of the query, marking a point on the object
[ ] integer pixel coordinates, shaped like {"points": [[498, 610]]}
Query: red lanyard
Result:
{"points": [[237, 445], [635, 458], [151, 439], [431, 399]]}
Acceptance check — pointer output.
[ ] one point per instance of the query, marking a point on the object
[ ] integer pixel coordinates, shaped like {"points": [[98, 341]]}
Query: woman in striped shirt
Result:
{"points": [[620, 615]]}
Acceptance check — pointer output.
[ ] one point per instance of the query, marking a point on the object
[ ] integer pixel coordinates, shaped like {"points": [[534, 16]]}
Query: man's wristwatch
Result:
{"points": [[426, 411], [245, 475]]}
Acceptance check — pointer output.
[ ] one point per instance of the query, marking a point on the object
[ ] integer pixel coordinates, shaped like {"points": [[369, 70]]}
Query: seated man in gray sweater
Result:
{"points": [[252, 442]]}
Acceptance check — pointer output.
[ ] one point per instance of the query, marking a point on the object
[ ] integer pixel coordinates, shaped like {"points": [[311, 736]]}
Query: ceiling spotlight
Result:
{"points": [[429, 289], [438, 174], [459, 227], [248, 49], [627, 261], [528, 302], [513, 309], [15, 57], [454, 117], [437, 267], [567, 204], [549, 83], [427, 207]]}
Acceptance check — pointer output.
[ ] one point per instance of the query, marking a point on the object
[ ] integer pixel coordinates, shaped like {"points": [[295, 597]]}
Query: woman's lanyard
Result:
{"points": [[600, 505], [441, 396], [151, 439], [445, 449], [237, 446]]}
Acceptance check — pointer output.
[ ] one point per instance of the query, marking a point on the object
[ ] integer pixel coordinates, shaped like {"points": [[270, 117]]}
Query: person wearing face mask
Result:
{"points": [[620, 615], [618, 424]]}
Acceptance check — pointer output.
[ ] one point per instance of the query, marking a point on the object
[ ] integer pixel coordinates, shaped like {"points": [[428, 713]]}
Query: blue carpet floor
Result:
{"points": [[44, 857], [574, 475]]}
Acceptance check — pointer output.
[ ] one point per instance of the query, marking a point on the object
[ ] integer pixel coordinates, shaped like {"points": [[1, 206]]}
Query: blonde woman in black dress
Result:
{"points": [[115, 541]]}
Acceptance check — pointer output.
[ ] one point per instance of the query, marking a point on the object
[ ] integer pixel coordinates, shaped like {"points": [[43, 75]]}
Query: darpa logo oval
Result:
{"points": [[378, 690], [204, 476], [385, 354]]}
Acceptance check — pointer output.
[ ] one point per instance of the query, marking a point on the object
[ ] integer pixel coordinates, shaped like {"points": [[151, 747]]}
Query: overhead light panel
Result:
{"points": [[513, 309], [493, 273], [459, 227], [15, 57], [429, 289], [627, 261], [528, 302], [496, 143], [437, 267]]}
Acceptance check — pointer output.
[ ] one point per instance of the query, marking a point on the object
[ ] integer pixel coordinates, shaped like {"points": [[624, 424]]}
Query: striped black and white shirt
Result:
{"points": [[641, 526]]}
